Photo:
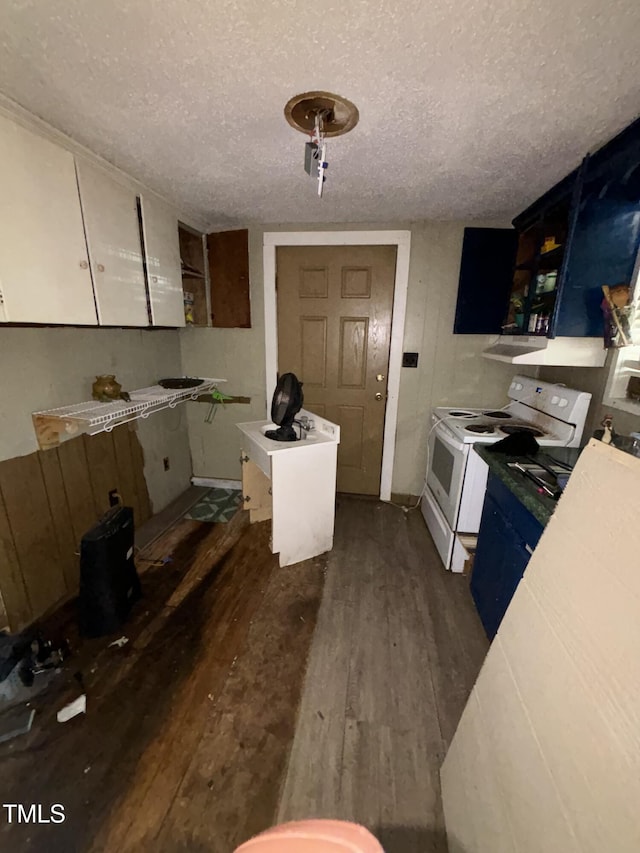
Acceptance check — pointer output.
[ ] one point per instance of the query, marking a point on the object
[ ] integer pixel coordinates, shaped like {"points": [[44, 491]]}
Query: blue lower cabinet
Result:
{"points": [[508, 534]]}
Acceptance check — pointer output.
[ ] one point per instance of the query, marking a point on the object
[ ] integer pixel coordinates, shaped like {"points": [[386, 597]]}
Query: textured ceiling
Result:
{"points": [[468, 108]]}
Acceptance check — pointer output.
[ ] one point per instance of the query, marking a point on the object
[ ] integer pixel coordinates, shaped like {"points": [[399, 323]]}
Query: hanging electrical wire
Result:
{"points": [[320, 148], [320, 115]]}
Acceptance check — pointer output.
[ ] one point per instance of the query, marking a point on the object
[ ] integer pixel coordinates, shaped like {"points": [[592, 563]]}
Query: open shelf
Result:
{"points": [[54, 426], [551, 259], [194, 279], [191, 272]]}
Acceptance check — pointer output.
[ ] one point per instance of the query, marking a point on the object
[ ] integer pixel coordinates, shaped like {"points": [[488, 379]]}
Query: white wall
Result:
{"points": [[450, 367], [238, 356], [43, 368], [546, 758]]}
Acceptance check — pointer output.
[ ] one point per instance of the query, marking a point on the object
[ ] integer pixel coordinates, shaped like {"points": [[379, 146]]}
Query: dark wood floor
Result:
{"points": [[397, 648], [203, 729], [188, 728]]}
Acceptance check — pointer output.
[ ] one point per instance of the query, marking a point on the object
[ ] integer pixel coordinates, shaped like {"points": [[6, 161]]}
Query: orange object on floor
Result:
{"points": [[313, 836]]}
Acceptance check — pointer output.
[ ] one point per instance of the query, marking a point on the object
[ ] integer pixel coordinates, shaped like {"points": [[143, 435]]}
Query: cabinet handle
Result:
{"points": [[100, 267], [154, 279], [84, 265]]}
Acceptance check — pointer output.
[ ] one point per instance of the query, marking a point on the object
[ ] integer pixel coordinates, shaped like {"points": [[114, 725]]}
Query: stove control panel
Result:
{"points": [[566, 404]]}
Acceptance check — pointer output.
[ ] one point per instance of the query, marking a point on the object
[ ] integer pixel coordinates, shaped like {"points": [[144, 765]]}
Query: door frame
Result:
{"points": [[402, 241]]}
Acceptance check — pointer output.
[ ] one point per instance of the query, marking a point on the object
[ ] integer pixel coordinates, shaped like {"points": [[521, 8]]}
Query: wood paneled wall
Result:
{"points": [[48, 500]]}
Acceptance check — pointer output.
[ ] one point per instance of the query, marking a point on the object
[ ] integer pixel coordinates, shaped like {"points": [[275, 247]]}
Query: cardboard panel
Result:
{"points": [[557, 717]]}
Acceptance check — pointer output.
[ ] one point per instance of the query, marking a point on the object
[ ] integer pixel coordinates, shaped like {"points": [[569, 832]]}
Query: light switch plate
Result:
{"points": [[409, 359]]}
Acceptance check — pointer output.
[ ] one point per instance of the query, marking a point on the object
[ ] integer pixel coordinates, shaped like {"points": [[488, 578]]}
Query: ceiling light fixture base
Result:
{"points": [[339, 115]]}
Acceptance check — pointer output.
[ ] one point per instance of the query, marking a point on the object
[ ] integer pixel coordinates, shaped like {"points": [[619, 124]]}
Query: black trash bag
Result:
{"points": [[517, 444]]}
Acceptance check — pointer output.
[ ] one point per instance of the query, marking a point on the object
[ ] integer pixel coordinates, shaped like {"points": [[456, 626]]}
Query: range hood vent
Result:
{"points": [[558, 352]]}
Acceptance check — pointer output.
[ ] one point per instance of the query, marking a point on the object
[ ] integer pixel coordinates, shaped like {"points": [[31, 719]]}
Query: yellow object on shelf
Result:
{"points": [[549, 245], [188, 308]]}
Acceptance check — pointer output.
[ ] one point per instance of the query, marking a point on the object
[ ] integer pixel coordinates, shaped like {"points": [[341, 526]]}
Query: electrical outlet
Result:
{"points": [[166, 463]]}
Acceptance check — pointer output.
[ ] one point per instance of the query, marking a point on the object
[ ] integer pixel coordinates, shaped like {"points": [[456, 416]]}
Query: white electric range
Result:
{"points": [[456, 478]]}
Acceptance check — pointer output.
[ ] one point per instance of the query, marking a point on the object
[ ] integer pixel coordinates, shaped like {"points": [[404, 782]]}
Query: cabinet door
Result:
{"points": [[162, 251], [229, 273], [486, 268], [112, 228], [603, 249], [44, 269], [488, 568], [256, 491], [501, 558]]}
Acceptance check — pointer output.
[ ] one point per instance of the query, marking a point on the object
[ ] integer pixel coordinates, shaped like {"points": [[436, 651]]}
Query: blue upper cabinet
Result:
{"points": [[606, 235], [545, 231], [486, 268], [580, 235]]}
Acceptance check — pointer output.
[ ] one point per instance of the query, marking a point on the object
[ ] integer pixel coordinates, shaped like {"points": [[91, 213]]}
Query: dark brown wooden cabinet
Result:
{"points": [[229, 279]]}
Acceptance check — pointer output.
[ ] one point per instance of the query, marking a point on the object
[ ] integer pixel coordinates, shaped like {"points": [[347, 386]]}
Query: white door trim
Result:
{"points": [[400, 239]]}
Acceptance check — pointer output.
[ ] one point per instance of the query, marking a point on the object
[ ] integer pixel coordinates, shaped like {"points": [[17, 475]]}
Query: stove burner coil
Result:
{"points": [[498, 414], [512, 430], [481, 429], [461, 414]]}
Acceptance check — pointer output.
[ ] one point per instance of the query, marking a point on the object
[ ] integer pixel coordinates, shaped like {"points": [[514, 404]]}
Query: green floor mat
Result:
{"points": [[216, 505]]}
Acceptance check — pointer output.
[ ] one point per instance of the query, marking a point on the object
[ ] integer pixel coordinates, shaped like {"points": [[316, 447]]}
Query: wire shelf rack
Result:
{"points": [[53, 426]]}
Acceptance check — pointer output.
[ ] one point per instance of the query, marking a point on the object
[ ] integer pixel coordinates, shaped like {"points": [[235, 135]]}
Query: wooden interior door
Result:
{"points": [[334, 331]]}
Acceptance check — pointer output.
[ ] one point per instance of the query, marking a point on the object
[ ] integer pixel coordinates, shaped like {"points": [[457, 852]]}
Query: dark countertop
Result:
{"points": [[541, 506]]}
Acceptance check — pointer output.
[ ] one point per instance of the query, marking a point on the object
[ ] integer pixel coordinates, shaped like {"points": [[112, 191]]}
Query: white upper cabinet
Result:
{"points": [[112, 228], [162, 248], [44, 266], [71, 251]]}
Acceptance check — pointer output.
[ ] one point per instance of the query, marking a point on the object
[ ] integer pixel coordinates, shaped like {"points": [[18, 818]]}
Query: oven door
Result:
{"points": [[445, 473]]}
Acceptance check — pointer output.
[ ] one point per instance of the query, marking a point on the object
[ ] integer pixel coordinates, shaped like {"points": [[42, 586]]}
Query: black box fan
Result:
{"points": [[287, 402]]}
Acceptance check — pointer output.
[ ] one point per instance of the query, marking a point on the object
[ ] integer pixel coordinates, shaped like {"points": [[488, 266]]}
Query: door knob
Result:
{"points": [[378, 396], [380, 377]]}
